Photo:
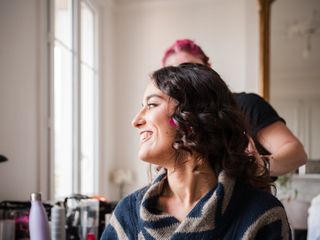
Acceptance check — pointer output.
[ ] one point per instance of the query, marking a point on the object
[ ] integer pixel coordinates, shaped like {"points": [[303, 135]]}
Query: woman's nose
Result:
{"points": [[138, 120]]}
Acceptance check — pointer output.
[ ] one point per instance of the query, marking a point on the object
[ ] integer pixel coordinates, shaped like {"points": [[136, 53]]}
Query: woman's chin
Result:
{"points": [[143, 157], [146, 158]]}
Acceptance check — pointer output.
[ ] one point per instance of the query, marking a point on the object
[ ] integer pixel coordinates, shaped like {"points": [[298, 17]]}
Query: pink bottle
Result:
{"points": [[38, 219]]}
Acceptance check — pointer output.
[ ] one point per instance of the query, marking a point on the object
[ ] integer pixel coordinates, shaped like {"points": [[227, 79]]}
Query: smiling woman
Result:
{"points": [[210, 185]]}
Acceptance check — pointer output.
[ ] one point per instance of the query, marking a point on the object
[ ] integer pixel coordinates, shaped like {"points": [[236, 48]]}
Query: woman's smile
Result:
{"points": [[145, 136]]}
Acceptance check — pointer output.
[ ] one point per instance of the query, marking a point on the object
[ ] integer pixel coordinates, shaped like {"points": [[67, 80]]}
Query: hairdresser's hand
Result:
{"points": [[252, 150]]}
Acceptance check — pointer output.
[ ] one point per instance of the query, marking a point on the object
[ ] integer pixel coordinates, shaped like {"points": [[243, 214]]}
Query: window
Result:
{"points": [[74, 98]]}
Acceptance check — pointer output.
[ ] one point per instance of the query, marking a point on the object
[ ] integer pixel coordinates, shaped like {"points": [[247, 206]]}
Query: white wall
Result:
{"points": [[19, 99], [227, 31]]}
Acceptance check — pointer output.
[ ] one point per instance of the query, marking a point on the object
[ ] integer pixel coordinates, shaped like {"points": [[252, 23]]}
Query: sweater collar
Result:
{"points": [[205, 215]]}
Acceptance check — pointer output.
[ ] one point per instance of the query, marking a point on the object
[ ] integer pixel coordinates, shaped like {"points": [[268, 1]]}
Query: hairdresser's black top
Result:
{"points": [[258, 112]]}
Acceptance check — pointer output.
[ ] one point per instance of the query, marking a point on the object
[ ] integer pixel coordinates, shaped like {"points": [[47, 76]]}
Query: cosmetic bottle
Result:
{"points": [[58, 223], [38, 219]]}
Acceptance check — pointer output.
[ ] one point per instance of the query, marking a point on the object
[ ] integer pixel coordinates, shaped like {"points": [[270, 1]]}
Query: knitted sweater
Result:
{"points": [[233, 210]]}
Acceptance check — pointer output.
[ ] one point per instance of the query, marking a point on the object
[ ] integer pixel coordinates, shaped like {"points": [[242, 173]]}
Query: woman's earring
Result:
{"points": [[173, 122]]}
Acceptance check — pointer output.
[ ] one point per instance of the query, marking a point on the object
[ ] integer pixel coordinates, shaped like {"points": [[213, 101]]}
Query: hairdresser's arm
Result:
{"points": [[287, 151]]}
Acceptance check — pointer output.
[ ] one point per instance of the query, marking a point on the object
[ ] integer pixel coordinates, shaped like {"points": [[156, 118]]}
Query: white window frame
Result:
{"points": [[76, 78]]}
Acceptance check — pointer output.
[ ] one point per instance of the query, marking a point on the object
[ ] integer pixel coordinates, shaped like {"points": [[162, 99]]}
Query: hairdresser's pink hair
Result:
{"points": [[189, 46]]}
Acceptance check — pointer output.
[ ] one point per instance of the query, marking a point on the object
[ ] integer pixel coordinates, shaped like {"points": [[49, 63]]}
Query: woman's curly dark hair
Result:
{"points": [[209, 122]]}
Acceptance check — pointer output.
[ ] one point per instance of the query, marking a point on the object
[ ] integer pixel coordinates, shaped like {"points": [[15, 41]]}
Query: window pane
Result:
{"points": [[63, 21], [87, 130], [69, 110], [87, 35], [63, 121]]}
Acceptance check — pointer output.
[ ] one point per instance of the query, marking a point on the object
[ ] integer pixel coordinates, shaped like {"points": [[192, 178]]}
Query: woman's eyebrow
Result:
{"points": [[152, 96]]}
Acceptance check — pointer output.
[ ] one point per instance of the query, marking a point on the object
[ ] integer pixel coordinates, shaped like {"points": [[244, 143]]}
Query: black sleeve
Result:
{"points": [[257, 111]]}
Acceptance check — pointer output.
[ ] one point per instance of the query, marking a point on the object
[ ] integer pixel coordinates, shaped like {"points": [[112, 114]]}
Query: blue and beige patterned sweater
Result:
{"points": [[232, 210]]}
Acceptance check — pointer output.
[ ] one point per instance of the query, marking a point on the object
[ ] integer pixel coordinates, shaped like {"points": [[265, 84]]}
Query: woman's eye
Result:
{"points": [[151, 105]]}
